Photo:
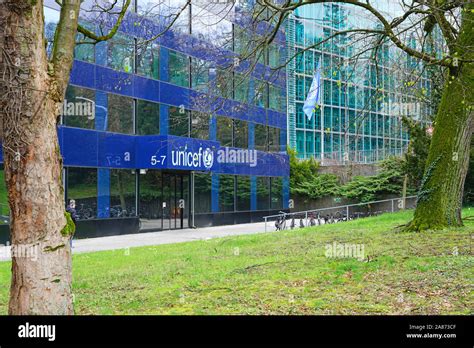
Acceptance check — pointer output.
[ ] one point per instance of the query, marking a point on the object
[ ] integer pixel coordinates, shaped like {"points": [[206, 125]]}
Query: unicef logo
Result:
{"points": [[208, 158]]}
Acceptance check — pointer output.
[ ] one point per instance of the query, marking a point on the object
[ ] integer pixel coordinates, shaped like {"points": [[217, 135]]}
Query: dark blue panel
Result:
{"points": [[91, 148], [252, 162], [276, 119], [227, 107], [80, 147], [174, 95], [271, 164], [116, 150], [258, 115], [83, 74], [151, 151], [242, 111], [114, 81], [272, 118], [276, 77], [147, 89], [283, 122]]}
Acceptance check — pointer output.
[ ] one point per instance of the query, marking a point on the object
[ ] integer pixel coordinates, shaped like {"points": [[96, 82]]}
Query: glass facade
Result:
{"points": [[187, 84], [147, 117], [359, 119]]}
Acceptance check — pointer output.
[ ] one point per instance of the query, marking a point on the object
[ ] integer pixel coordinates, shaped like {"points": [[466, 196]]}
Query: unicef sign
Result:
{"points": [[192, 159], [179, 153], [163, 152], [171, 152]]}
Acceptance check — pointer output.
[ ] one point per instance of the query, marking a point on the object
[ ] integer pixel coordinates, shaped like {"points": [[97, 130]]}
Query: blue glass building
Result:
{"points": [[360, 116], [174, 130]]}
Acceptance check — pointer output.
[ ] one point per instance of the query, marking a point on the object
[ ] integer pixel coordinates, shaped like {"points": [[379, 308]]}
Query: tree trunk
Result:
{"points": [[440, 196], [30, 96]]}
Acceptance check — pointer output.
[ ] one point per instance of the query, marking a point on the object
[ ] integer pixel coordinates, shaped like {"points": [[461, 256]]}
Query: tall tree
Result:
{"points": [[440, 195], [441, 192], [32, 89]]}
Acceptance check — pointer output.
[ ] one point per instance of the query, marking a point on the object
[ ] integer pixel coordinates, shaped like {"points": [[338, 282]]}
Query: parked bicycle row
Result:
{"points": [[295, 220], [85, 212]]}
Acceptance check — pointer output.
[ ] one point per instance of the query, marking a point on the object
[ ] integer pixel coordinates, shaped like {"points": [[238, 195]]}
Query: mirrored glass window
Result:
{"points": [[148, 60], [79, 107], [148, 117], [263, 193], [224, 130], [120, 114], [226, 193], [82, 187], [243, 193], [122, 193], [178, 121], [199, 125], [277, 193], [178, 68], [202, 193], [241, 134], [120, 53]]}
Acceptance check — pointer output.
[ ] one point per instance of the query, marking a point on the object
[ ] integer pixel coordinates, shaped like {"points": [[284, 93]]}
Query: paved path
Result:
{"points": [[156, 238]]}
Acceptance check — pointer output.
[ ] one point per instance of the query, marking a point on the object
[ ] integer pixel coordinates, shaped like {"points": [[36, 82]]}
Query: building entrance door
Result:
{"points": [[163, 200]]}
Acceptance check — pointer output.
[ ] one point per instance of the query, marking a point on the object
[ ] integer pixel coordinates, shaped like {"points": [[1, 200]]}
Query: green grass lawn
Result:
{"points": [[283, 273], [4, 208]]}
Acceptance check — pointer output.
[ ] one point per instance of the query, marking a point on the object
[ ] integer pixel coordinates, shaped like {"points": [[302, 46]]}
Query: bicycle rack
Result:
{"points": [[400, 203]]}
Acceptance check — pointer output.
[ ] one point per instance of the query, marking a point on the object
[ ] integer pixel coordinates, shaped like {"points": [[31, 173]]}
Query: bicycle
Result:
{"points": [[312, 220], [292, 224], [339, 216], [280, 222], [85, 213]]}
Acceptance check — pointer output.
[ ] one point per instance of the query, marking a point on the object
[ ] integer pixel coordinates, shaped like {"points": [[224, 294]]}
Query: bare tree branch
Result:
{"points": [[111, 33]]}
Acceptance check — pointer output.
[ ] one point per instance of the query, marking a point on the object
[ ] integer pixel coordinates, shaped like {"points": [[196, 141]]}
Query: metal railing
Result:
{"points": [[356, 156], [344, 212]]}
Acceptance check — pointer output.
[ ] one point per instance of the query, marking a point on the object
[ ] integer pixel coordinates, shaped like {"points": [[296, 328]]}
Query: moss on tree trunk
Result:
{"points": [[440, 195]]}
